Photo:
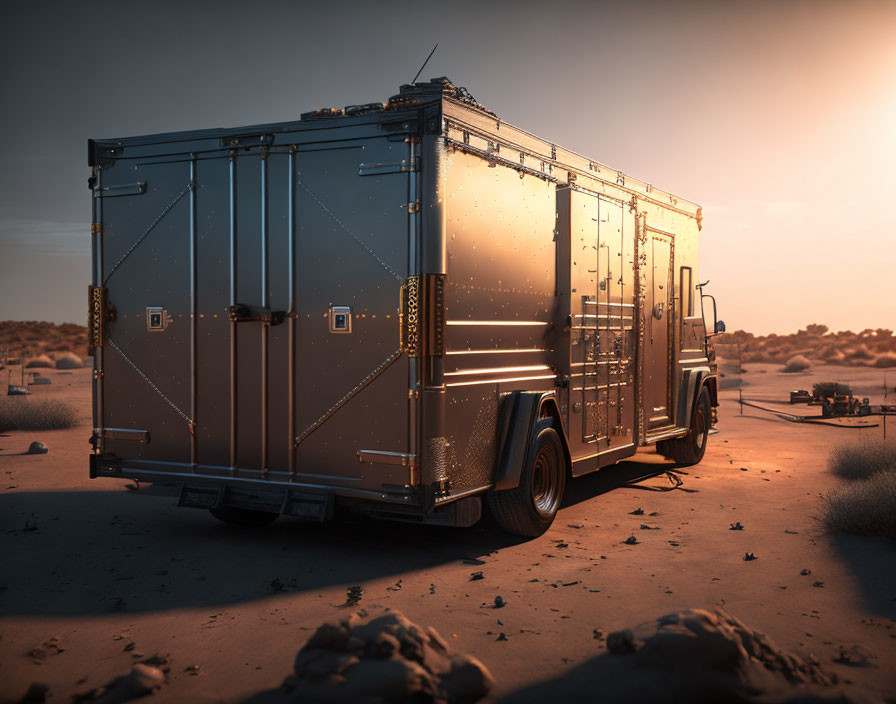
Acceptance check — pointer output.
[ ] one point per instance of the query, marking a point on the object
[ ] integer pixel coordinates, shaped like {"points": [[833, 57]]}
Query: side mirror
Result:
{"points": [[720, 326]]}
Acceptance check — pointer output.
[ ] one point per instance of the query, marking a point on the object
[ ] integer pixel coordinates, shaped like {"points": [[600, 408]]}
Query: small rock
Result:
{"points": [[818, 584], [38, 448], [499, 602], [736, 526], [749, 556], [598, 633], [501, 636], [854, 655], [476, 576], [644, 526], [631, 540], [637, 512], [804, 572]]}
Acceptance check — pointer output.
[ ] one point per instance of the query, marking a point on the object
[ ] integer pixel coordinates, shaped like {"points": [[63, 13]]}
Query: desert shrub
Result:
{"points": [[797, 363], [885, 361], [39, 362], [67, 360], [23, 413], [863, 507], [831, 388], [861, 461]]}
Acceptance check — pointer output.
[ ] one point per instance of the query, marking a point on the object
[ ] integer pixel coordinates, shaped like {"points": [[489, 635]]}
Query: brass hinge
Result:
{"points": [[97, 306], [96, 228], [422, 319], [409, 317], [413, 207]]}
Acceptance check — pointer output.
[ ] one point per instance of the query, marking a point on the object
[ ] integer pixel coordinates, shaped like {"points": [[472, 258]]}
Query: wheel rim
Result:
{"points": [[700, 427], [544, 480]]}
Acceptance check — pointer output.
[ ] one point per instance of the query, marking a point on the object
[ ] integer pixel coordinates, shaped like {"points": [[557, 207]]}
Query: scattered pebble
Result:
{"points": [[353, 595], [637, 512], [736, 526], [499, 602], [631, 540], [749, 556], [474, 576], [804, 572], [37, 448]]}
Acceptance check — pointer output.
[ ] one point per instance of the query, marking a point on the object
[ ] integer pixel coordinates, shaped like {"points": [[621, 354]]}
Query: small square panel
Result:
{"points": [[156, 318], [340, 319]]}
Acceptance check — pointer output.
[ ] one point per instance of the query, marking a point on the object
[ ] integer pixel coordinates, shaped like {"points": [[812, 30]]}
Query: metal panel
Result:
{"points": [[659, 315]]}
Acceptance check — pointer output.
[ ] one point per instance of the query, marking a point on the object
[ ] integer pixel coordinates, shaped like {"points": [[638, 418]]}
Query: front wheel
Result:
{"points": [[530, 508], [690, 449]]}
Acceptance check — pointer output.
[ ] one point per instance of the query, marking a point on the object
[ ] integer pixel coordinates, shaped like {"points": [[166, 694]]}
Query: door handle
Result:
{"points": [[658, 310], [241, 313]]}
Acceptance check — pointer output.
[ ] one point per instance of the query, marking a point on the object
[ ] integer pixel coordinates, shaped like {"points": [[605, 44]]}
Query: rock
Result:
{"points": [[736, 526], [855, 655], [637, 512], [475, 576], [38, 448], [748, 556], [691, 656], [804, 572], [142, 680], [383, 659], [499, 602], [36, 694], [631, 540]]}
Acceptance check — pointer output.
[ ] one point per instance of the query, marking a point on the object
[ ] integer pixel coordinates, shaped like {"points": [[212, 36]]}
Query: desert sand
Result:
{"points": [[117, 575]]}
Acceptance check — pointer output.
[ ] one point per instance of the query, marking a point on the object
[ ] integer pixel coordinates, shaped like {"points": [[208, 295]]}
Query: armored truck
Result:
{"points": [[402, 308]]}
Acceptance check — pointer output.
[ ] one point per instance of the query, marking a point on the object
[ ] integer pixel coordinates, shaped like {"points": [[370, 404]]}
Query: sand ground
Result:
{"points": [[119, 575]]}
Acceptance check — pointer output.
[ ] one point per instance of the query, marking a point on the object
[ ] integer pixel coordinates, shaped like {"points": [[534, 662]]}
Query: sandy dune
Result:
{"points": [[117, 575]]}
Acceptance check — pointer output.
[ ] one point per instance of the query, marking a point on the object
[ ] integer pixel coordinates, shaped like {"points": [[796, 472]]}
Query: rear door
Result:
{"points": [[255, 296]]}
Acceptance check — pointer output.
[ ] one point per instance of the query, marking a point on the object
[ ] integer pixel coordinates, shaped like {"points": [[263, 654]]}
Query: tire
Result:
{"points": [[690, 449], [243, 516], [530, 508]]}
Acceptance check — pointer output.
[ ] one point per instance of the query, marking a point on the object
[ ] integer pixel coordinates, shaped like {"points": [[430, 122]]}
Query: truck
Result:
{"points": [[403, 309]]}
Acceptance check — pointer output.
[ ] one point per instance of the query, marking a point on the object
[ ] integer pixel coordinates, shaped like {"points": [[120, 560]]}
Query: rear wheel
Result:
{"points": [[691, 448], [530, 508], [243, 516]]}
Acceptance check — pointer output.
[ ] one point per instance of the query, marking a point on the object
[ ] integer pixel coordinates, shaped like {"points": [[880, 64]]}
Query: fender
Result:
{"points": [[520, 412], [692, 382]]}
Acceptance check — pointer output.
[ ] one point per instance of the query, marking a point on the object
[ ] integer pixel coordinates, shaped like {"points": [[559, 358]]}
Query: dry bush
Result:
{"points": [[885, 361], [863, 507], [861, 461], [67, 360], [23, 413], [39, 362], [797, 363], [831, 388]]}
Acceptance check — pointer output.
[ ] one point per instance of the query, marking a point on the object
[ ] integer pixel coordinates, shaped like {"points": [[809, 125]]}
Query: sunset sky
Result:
{"points": [[778, 117]]}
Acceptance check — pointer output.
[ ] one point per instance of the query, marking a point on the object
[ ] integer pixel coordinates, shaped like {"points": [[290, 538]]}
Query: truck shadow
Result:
{"points": [[98, 552]]}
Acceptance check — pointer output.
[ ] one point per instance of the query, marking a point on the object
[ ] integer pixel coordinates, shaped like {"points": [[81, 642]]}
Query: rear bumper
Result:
{"points": [[308, 501], [242, 481]]}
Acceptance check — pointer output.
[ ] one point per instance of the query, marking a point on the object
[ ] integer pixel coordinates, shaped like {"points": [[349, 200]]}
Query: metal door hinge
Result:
{"points": [[413, 207], [96, 228], [97, 316]]}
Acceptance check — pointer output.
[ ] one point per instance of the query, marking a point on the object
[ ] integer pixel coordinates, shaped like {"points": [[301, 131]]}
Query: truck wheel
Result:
{"points": [[529, 509], [691, 448], [243, 516]]}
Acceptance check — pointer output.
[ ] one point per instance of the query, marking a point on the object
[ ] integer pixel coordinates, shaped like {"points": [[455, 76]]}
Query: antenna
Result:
{"points": [[425, 62]]}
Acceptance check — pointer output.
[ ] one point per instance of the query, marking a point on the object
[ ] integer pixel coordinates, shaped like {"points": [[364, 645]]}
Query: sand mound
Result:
{"points": [[797, 363], [690, 656], [69, 360], [385, 659], [39, 362]]}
